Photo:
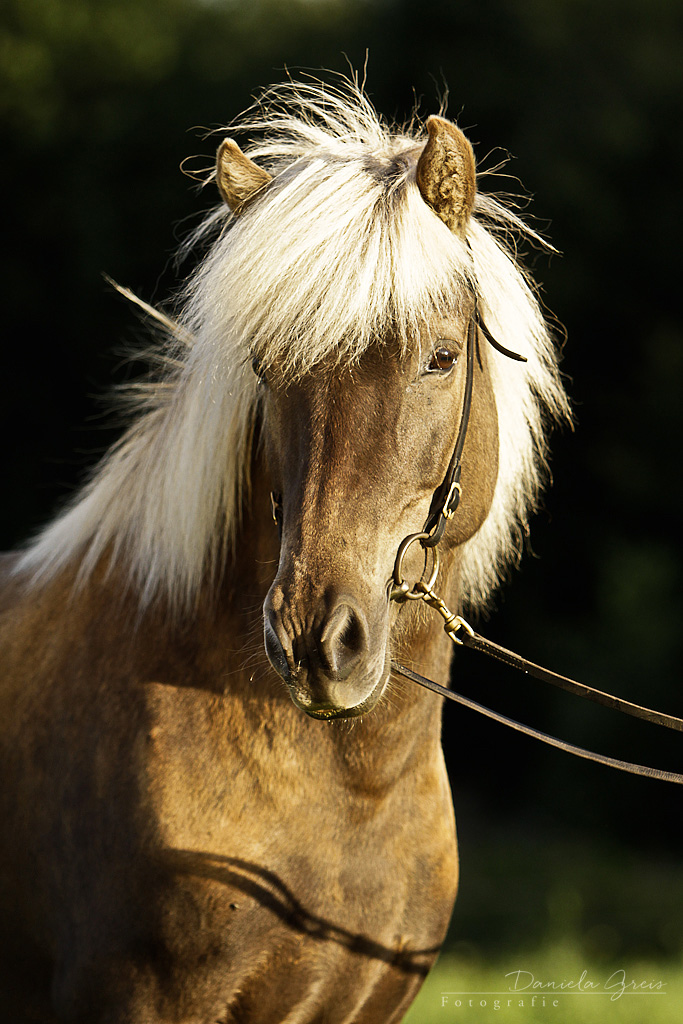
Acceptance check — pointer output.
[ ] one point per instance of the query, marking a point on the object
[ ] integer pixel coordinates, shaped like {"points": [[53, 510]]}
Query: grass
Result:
{"points": [[462, 989]]}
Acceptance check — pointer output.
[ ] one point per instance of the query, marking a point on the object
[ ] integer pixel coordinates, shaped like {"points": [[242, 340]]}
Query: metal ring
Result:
{"points": [[401, 591]]}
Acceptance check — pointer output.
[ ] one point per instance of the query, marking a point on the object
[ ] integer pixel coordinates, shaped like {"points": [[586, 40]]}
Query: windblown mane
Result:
{"points": [[339, 252]]}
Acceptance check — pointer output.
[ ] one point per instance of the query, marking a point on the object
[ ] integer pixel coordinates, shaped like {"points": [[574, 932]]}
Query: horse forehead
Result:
{"points": [[346, 396]]}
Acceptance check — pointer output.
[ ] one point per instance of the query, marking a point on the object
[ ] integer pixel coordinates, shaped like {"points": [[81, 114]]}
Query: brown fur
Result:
{"points": [[180, 842]]}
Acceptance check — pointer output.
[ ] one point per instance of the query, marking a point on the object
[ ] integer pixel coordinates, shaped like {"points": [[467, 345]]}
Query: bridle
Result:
{"points": [[443, 507], [446, 498]]}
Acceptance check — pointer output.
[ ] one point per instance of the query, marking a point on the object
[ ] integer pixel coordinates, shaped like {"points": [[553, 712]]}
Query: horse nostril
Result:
{"points": [[275, 651], [343, 640]]}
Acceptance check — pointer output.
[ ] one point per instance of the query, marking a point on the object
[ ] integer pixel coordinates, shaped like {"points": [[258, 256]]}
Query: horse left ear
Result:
{"points": [[238, 178], [446, 174]]}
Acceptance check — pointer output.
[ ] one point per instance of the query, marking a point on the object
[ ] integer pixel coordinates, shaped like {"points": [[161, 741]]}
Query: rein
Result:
{"points": [[444, 506]]}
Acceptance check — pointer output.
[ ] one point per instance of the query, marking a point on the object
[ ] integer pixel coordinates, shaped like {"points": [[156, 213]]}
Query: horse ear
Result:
{"points": [[238, 178], [446, 174]]}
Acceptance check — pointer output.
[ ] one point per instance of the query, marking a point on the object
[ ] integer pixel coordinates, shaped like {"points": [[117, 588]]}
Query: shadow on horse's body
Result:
{"points": [[181, 841], [180, 830]]}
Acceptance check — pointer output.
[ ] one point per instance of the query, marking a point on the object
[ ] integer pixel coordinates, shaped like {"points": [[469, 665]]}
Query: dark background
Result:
{"points": [[101, 100]]}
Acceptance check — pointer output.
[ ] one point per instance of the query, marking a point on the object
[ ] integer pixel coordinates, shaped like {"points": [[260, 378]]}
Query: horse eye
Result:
{"points": [[258, 369], [443, 359]]}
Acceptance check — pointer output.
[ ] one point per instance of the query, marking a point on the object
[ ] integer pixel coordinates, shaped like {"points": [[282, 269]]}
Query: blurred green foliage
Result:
{"points": [[535, 887], [488, 993], [99, 104]]}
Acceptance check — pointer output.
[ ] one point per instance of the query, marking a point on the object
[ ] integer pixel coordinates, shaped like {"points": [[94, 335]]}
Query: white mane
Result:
{"points": [[340, 250]]}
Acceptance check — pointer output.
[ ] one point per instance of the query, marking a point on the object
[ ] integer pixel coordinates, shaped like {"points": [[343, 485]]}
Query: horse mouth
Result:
{"points": [[329, 710]]}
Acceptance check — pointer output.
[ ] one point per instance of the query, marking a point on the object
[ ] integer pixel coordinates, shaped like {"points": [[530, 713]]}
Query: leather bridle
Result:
{"points": [[443, 507], [447, 497]]}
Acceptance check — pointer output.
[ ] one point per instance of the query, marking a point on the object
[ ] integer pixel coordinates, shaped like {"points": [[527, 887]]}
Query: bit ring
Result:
{"points": [[400, 590]]}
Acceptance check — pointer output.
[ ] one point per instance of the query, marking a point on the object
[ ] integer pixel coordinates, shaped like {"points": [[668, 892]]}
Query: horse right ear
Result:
{"points": [[238, 178]]}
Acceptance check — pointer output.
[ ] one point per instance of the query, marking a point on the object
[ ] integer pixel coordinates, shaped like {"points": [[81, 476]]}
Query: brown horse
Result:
{"points": [[199, 827]]}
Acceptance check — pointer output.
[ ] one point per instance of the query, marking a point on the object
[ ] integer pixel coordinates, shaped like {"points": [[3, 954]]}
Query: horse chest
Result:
{"points": [[285, 886]]}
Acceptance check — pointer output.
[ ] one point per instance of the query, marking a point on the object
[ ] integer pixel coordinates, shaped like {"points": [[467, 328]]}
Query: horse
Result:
{"points": [[218, 805]]}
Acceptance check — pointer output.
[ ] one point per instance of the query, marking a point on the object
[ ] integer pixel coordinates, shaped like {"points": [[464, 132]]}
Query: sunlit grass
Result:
{"points": [[463, 989]]}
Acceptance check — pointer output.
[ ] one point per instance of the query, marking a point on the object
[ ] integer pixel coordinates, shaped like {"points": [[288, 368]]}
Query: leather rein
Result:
{"points": [[443, 508]]}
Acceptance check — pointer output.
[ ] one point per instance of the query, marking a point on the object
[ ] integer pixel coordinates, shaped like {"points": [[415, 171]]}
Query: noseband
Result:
{"points": [[444, 506]]}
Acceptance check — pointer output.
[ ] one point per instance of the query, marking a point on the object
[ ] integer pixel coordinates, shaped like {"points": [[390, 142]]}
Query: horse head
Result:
{"points": [[341, 317], [358, 450]]}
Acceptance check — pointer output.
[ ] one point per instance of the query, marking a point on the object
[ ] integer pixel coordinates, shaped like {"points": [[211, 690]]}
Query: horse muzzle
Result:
{"points": [[327, 658]]}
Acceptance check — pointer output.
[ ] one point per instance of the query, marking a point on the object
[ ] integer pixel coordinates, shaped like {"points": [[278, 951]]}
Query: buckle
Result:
{"points": [[452, 501]]}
